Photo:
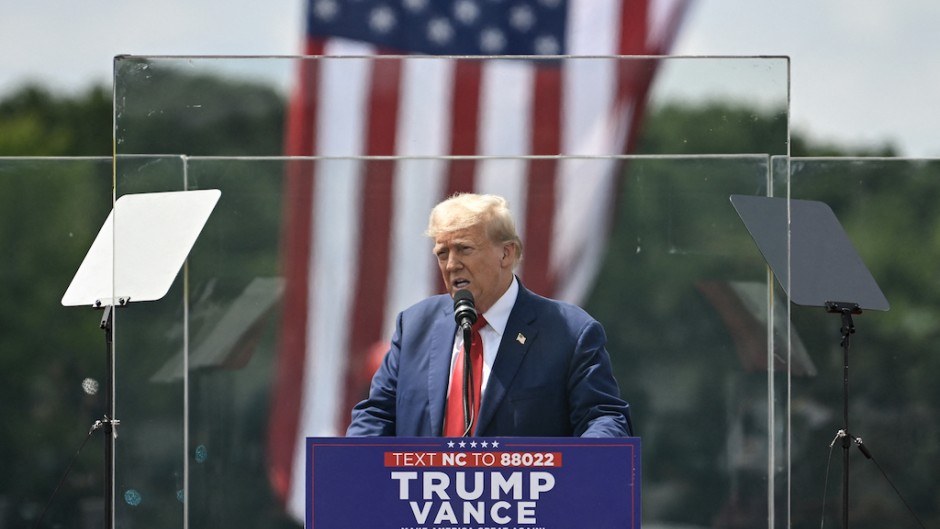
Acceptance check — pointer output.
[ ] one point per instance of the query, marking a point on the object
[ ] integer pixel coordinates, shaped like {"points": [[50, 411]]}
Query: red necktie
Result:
{"points": [[454, 420]]}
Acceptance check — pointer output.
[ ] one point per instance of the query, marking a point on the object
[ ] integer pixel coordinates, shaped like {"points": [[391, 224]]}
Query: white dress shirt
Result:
{"points": [[491, 333]]}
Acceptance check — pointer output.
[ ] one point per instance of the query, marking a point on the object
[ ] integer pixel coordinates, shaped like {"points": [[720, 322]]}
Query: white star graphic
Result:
{"points": [[492, 40], [450, 444], [522, 18], [382, 19], [325, 9], [415, 5], [463, 444], [547, 45], [495, 444], [473, 444], [466, 11], [484, 444], [440, 31]]}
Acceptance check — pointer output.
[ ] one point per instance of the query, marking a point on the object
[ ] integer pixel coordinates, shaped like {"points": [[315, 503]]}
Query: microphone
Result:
{"points": [[464, 311]]}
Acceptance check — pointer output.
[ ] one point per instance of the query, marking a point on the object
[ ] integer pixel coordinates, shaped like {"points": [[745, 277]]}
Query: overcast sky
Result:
{"points": [[863, 72]]}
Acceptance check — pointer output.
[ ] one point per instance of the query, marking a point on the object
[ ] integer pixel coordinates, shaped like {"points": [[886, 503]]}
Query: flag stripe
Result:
{"points": [[419, 185], [376, 210], [465, 115], [295, 249], [505, 131], [427, 96], [340, 122], [540, 199]]}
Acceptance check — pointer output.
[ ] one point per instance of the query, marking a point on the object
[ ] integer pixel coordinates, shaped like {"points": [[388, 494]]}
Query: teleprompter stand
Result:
{"points": [[821, 269], [135, 257]]}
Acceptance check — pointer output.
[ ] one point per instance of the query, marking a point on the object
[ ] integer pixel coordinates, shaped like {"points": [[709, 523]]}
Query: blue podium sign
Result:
{"points": [[473, 483]]}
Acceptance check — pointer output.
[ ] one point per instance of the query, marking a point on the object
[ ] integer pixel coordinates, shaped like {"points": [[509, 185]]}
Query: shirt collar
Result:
{"points": [[498, 315]]}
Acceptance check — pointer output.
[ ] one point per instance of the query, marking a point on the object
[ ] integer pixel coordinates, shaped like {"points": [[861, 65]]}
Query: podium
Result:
{"points": [[499, 482]]}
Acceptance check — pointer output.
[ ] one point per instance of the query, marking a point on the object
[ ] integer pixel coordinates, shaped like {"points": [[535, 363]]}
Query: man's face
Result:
{"points": [[469, 260]]}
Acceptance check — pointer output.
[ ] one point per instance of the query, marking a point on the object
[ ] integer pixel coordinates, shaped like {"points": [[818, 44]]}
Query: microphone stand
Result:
{"points": [[468, 395]]}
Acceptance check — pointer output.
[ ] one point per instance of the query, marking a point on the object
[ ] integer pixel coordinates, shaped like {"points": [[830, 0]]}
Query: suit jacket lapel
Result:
{"points": [[441, 345], [519, 335]]}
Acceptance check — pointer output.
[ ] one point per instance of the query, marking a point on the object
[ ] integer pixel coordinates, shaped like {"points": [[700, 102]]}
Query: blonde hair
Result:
{"points": [[465, 210]]}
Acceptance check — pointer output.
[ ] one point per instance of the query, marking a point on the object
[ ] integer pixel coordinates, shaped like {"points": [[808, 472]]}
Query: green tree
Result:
{"points": [[35, 122]]}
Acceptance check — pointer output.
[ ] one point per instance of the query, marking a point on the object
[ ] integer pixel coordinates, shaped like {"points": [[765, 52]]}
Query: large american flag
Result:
{"points": [[400, 134]]}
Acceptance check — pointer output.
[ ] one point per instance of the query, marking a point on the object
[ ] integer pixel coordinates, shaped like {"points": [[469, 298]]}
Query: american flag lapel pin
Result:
{"points": [[520, 338]]}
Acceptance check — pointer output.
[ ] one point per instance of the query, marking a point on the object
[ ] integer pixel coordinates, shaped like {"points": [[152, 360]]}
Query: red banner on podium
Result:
{"points": [[473, 483]]}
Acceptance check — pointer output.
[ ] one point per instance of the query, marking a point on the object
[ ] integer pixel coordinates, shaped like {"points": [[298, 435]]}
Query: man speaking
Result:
{"points": [[534, 367]]}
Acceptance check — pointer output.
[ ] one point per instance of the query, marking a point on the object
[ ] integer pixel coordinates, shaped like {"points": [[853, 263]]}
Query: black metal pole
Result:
{"points": [[468, 396], [846, 440], [848, 328], [108, 423]]}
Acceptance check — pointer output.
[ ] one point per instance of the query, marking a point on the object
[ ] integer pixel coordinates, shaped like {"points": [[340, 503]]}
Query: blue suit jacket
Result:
{"points": [[554, 382]]}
